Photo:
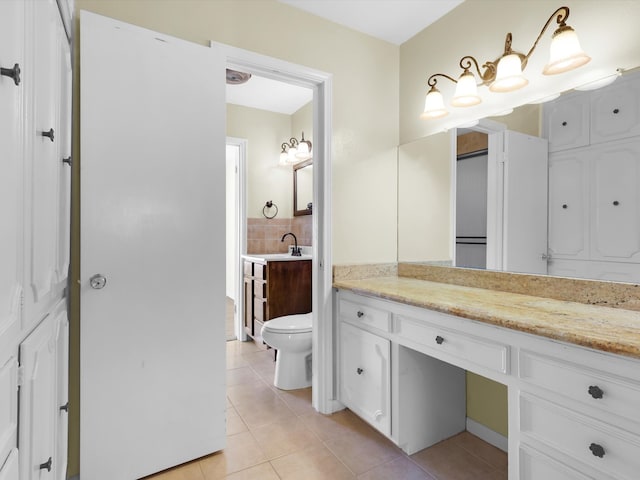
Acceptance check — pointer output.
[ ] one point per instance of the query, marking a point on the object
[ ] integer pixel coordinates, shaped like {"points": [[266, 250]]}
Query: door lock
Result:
{"points": [[98, 281]]}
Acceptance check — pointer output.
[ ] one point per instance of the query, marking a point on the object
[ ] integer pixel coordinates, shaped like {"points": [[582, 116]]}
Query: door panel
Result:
{"points": [[525, 203], [11, 193], [153, 196], [8, 407]]}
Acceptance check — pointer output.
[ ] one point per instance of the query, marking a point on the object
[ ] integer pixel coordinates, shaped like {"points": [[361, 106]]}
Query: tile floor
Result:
{"points": [[274, 434]]}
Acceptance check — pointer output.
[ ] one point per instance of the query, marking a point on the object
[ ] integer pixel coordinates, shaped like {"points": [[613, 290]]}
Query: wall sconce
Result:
{"points": [[505, 73], [295, 151]]}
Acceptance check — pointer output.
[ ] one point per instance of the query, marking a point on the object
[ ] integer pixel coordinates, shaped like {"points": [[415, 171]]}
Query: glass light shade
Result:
{"points": [[303, 151], [601, 82], [466, 91], [434, 105], [284, 158], [565, 52], [291, 155], [509, 76]]}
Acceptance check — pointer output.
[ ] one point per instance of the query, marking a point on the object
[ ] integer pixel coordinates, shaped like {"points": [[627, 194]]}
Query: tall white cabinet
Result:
{"points": [[594, 173], [35, 135]]}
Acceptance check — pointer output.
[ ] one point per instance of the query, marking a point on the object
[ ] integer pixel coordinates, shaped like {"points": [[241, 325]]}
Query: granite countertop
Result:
{"points": [[608, 329]]}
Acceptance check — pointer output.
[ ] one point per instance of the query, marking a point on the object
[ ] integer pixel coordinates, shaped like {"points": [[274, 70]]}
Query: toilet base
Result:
{"points": [[293, 370]]}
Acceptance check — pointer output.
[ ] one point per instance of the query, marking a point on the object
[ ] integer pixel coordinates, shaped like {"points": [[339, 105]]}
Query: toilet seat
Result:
{"points": [[301, 323]]}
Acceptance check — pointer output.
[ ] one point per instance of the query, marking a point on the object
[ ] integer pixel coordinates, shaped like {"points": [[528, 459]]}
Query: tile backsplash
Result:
{"points": [[263, 235]]}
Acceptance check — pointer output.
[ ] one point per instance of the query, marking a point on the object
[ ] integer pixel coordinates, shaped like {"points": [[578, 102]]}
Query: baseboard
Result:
{"points": [[488, 435], [75, 477]]}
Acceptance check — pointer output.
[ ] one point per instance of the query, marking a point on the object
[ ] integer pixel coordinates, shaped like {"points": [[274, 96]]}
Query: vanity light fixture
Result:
{"points": [[505, 73], [295, 151]]}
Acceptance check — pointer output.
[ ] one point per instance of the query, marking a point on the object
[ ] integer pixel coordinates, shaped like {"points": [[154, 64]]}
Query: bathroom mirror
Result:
{"points": [[426, 210], [303, 188]]}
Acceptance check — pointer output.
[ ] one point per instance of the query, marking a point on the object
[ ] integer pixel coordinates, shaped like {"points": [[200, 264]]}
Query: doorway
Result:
{"points": [[320, 83]]}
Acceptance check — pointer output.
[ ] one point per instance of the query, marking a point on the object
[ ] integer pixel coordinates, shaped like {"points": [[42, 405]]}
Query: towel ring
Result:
{"points": [[269, 204]]}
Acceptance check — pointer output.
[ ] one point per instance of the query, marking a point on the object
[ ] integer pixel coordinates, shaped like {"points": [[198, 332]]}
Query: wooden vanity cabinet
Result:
{"points": [[273, 289]]}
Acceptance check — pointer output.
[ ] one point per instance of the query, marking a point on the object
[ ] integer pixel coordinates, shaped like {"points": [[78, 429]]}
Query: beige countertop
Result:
{"points": [[608, 329]]}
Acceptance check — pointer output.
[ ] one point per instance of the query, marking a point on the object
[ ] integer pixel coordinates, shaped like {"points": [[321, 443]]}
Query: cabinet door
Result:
{"points": [[8, 408], [38, 402], [62, 391], [567, 122], [615, 200], [536, 466], [11, 160], [43, 163], [11, 468], [568, 205], [615, 111], [365, 376]]}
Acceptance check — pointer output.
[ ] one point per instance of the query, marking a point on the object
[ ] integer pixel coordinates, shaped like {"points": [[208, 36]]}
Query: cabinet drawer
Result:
{"points": [[615, 111], [593, 443], [567, 122], [536, 466], [362, 314], [248, 268], [259, 309], [260, 271], [493, 356], [591, 387], [260, 289]]}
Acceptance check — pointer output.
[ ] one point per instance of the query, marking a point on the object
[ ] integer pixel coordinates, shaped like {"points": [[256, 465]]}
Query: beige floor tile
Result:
{"points": [[250, 393], [235, 424], [334, 425], [259, 357], [235, 361], [242, 452], [399, 469], [447, 460], [264, 471], [239, 348], [299, 401], [312, 464], [487, 452], [187, 471], [285, 437], [264, 410], [362, 451], [242, 375]]}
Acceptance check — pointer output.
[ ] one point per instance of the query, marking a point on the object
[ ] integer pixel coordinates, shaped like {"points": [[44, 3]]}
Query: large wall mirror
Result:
{"points": [[303, 188], [427, 214]]}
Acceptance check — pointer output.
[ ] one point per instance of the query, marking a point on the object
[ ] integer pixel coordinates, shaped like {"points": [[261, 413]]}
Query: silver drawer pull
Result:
{"points": [[360, 314], [595, 391], [597, 450], [439, 340]]}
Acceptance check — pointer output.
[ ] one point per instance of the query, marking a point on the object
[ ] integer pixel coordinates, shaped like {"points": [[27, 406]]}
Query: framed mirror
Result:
{"points": [[303, 188]]}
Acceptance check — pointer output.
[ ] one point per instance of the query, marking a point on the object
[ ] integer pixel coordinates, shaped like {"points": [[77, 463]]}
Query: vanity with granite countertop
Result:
{"points": [[571, 365]]}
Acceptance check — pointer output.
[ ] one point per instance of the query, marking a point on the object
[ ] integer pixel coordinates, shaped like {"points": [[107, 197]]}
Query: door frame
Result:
{"points": [[323, 391], [241, 231]]}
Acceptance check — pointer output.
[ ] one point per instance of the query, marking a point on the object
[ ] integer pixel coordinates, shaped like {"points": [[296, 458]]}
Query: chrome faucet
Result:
{"points": [[296, 249]]}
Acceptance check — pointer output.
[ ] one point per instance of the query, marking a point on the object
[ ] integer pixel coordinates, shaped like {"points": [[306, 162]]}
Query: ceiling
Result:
{"points": [[394, 21]]}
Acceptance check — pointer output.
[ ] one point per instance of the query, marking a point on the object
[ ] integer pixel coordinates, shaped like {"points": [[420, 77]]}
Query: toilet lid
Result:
{"points": [[290, 324]]}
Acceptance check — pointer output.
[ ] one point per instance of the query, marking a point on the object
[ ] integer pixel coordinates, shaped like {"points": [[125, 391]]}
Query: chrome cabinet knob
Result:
{"points": [[97, 281]]}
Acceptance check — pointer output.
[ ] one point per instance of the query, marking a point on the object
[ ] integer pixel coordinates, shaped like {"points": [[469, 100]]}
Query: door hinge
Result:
{"points": [[20, 375]]}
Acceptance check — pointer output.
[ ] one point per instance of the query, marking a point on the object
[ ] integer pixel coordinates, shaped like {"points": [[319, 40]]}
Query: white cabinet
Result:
{"points": [[616, 201], [568, 205], [365, 385], [34, 235], [566, 122], [615, 111]]}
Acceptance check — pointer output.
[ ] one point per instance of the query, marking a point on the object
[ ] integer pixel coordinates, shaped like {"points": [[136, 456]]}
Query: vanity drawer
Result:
{"points": [[260, 271], [535, 466], [248, 269], [593, 443], [590, 387], [491, 355], [362, 314], [260, 289]]}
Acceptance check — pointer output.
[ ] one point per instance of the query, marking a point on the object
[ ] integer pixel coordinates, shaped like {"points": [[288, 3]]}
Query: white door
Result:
{"points": [[525, 203], [152, 354]]}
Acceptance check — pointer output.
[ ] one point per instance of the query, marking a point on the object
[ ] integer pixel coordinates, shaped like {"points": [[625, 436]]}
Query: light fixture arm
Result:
{"points": [[432, 80], [561, 19]]}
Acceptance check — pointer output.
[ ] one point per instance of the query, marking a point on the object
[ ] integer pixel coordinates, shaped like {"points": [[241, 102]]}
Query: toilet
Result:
{"points": [[291, 336]]}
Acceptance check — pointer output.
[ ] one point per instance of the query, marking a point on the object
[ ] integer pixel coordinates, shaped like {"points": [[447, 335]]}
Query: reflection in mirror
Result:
{"points": [[303, 188], [589, 234]]}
